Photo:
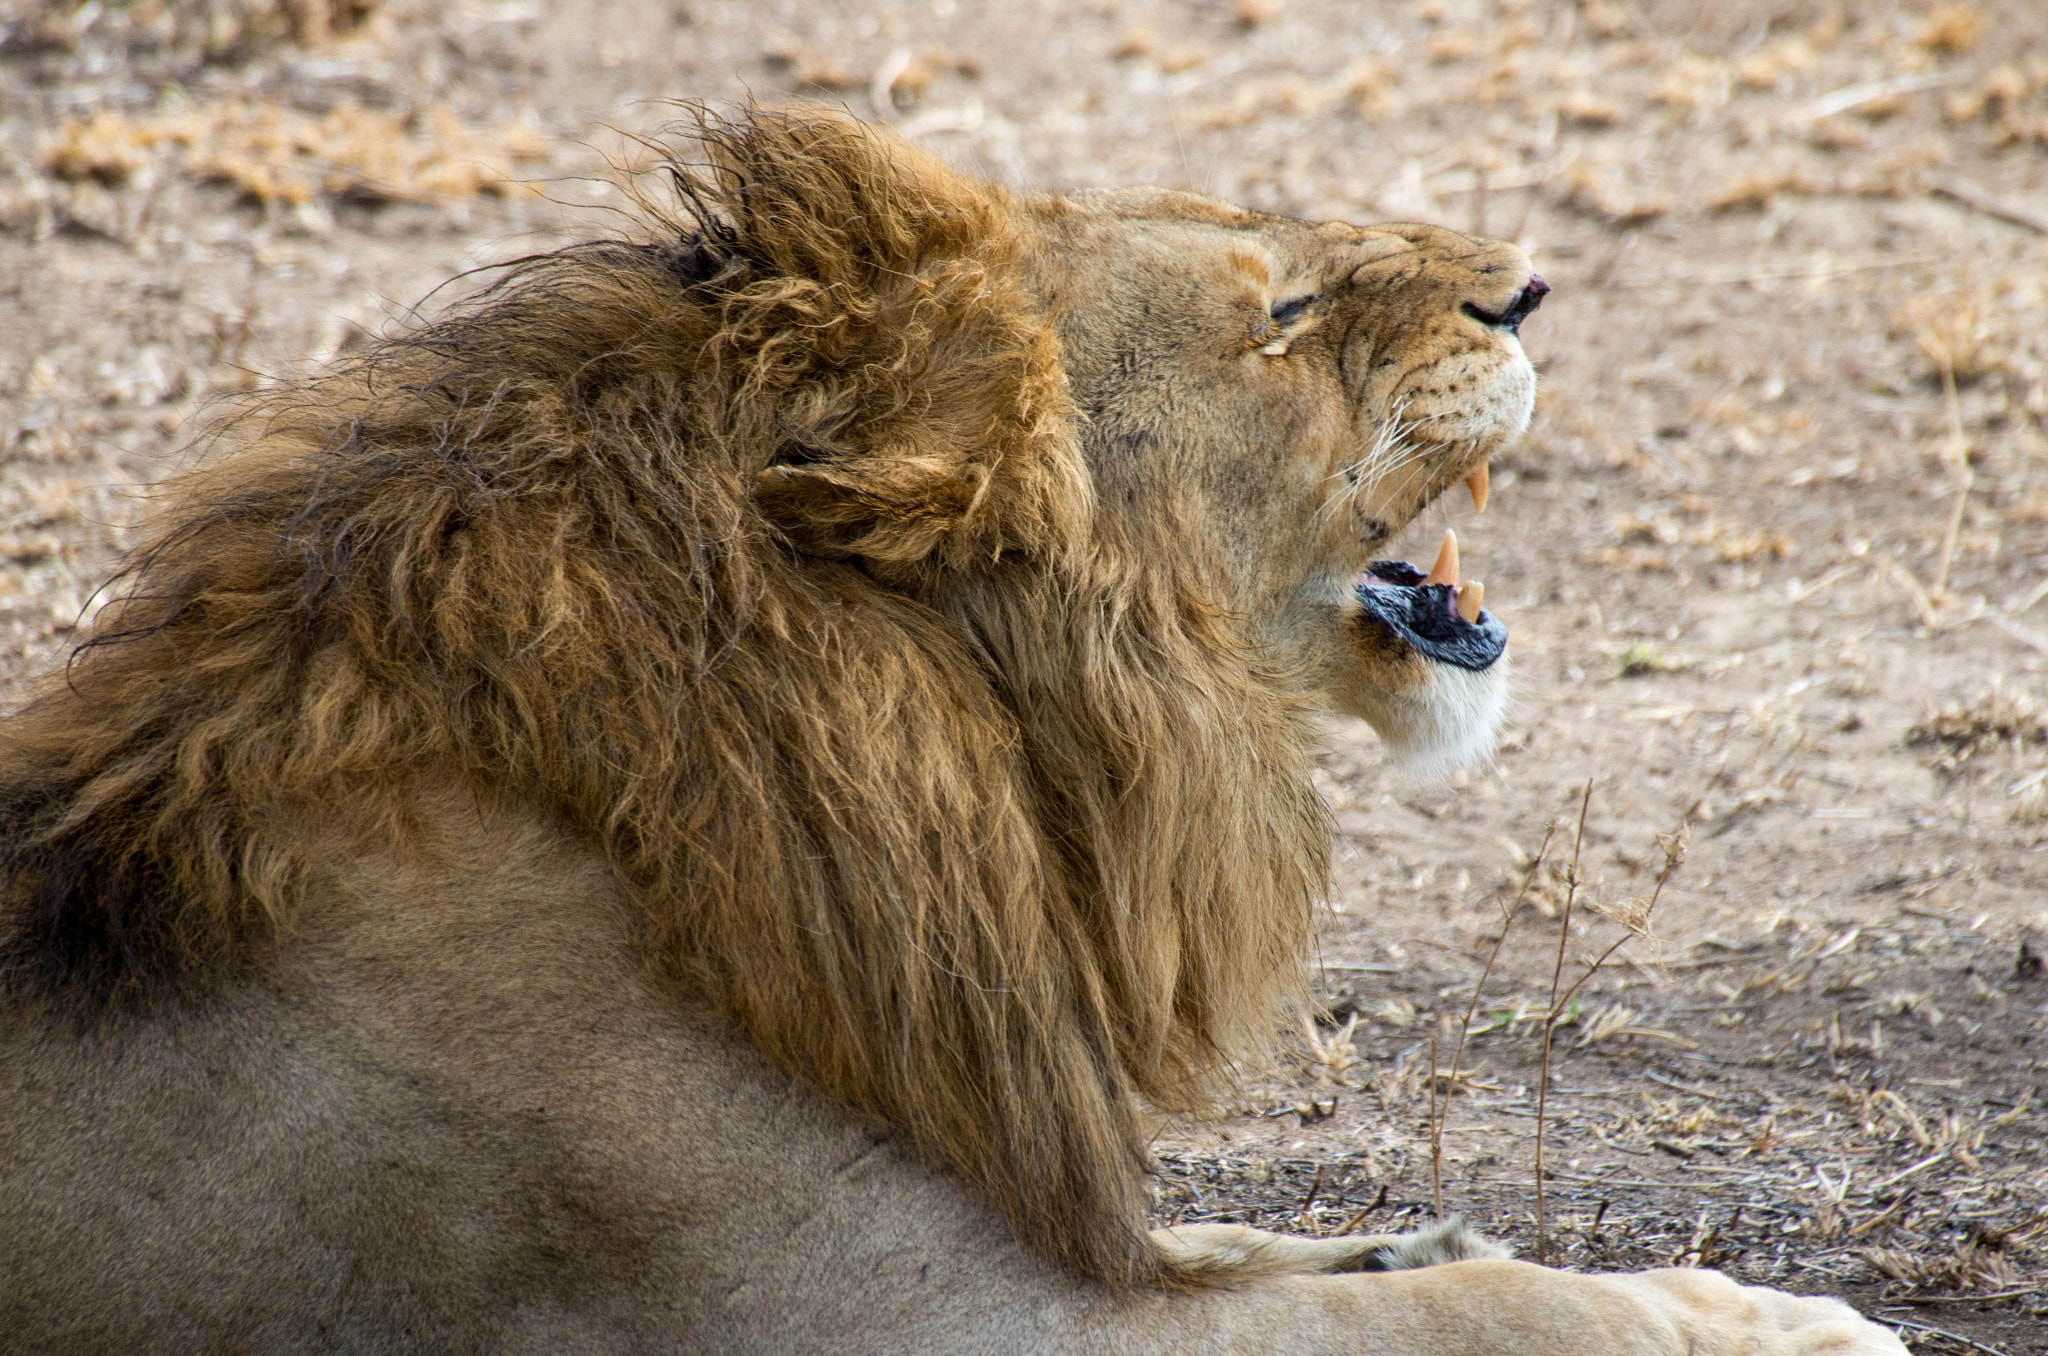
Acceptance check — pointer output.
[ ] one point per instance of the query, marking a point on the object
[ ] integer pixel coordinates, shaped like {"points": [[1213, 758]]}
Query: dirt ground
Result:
{"points": [[1774, 558]]}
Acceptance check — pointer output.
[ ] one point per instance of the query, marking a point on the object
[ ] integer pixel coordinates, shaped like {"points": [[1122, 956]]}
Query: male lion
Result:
{"points": [[678, 807]]}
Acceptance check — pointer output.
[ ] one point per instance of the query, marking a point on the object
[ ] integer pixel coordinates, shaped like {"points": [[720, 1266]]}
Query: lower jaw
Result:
{"points": [[1425, 615]]}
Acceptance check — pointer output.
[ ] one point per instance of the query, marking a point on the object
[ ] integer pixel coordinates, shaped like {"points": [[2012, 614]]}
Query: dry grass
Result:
{"points": [[273, 154], [2001, 717], [1920, 1189], [216, 28]]}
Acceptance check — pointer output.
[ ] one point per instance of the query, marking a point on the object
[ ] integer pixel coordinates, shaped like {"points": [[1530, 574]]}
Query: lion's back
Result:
{"points": [[475, 1117]]}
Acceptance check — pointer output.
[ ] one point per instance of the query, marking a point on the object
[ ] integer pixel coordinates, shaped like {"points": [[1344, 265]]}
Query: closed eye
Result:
{"points": [[1290, 310]]}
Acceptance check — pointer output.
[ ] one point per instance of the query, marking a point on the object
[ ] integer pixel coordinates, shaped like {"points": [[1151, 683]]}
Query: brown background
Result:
{"points": [[1768, 580]]}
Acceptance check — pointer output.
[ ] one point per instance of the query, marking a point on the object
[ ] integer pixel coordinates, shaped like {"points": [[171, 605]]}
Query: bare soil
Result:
{"points": [[1775, 557]]}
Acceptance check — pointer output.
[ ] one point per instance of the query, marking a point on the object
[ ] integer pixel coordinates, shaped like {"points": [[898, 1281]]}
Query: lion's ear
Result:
{"points": [[898, 510], [907, 389]]}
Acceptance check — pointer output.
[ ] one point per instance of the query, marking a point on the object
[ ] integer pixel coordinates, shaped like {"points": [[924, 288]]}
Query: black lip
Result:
{"points": [[1426, 616]]}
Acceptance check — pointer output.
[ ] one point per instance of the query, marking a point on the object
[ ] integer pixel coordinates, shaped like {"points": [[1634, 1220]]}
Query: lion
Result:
{"points": [[700, 800]]}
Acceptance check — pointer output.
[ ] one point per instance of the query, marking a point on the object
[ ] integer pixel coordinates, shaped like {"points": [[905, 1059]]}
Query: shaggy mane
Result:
{"points": [[758, 548]]}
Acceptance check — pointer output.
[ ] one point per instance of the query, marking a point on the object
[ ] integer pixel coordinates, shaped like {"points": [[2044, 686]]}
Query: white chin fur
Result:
{"points": [[1450, 724]]}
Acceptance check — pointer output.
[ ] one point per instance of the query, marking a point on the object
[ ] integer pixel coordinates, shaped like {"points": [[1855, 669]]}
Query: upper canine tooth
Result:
{"points": [[1445, 571], [1471, 595], [1476, 482]]}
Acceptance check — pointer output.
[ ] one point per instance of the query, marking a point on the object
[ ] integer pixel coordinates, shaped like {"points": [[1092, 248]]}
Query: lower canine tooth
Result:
{"points": [[1477, 484], [1470, 598], [1445, 571]]}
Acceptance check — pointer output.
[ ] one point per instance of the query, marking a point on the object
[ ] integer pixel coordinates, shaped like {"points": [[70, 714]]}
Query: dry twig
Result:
{"points": [[1944, 1333], [1564, 929], [1436, 1123], [1957, 454], [1637, 923], [1436, 1141], [1975, 199], [1674, 855]]}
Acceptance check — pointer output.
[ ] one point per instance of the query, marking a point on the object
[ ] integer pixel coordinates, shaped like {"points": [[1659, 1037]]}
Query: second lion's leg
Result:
{"points": [[1238, 1247]]}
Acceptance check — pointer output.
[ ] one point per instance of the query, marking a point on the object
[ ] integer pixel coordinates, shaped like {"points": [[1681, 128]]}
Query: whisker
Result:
{"points": [[1386, 450], [1390, 449]]}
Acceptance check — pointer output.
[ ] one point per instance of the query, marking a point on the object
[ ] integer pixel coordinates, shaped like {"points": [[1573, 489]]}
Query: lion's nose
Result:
{"points": [[1526, 300], [1518, 309]]}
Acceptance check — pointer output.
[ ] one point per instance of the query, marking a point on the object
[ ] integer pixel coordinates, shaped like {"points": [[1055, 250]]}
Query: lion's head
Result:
{"points": [[1276, 399], [920, 595]]}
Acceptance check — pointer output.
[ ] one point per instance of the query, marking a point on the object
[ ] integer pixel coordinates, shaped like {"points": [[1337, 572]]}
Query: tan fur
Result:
{"points": [[892, 611]]}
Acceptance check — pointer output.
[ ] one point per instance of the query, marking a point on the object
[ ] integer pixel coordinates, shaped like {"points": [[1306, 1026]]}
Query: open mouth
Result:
{"points": [[1435, 612]]}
